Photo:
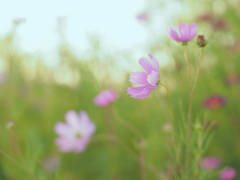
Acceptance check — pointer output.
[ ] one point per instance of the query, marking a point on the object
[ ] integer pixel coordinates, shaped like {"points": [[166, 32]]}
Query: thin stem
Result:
{"points": [[190, 112], [189, 66], [142, 164]]}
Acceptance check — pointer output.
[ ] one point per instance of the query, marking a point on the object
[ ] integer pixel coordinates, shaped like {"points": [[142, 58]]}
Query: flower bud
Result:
{"points": [[201, 41]]}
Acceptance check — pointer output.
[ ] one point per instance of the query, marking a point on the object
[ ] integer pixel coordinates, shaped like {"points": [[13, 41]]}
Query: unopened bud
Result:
{"points": [[201, 41]]}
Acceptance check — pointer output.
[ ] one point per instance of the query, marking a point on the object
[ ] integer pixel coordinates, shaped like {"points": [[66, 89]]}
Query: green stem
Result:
{"points": [[189, 132]]}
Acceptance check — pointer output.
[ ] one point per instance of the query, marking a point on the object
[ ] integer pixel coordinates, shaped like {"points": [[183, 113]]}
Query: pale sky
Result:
{"points": [[114, 21]]}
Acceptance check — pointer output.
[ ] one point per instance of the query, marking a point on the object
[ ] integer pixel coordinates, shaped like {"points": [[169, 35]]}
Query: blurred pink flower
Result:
{"points": [[210, 163], [148, 80], [3, 77], [187, 32], [142, 17], [51, 163], [227, 174], [232, 79], [76, 133], [214, 102], [105, 98]]}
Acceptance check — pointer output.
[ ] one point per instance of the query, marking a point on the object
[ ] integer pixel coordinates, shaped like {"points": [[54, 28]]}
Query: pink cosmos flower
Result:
{"points": [[227, 174], [210, 163], [214, 102], [105, 98], [187, 32], [76, 133], [148, 80], [142, 17]]}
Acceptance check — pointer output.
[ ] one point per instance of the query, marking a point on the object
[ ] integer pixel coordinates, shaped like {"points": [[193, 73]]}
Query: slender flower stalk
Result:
{"points": [[189, 132], [189, 66]]}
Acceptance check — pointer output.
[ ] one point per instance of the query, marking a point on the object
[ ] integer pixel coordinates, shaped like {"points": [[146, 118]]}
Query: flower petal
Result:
{"points": [[154, 63], [87, 127], [81, 144], [65, 144], [139, 78], [192, 31], [173, 34], [153, 78], [63, 129], [135, 90], [147, 65], [184, 31], [72, 119]]}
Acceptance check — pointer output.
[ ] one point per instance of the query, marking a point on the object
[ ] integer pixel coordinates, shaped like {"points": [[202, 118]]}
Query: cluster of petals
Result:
{"points": [[227, 174], [76, 133], [214, 102], [186, 32], [210, 163], [105, 98], [147, 80]]}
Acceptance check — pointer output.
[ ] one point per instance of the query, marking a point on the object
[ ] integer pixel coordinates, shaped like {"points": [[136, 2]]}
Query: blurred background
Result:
{"points": [[56, 56]]}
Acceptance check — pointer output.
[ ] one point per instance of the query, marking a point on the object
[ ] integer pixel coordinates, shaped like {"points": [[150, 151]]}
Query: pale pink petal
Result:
{"points": [[147, 65], [63, 129], [153, 78], [72, 118], [139, 78], [136, 90], [154, 63], [184, 31], [173, 34], [81, 144], [141, 96], [65, 144], [192, 31], [87, 128]]}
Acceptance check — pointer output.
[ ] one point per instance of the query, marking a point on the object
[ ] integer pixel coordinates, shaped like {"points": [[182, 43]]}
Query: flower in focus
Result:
{"points": [[105, 98], [214, 102], [187, 32], [143, 17], [76, 133], [227, 174], [232, 79], [148, 80], [210, 163]]}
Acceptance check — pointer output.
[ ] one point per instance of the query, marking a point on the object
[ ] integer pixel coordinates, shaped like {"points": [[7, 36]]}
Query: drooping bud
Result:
{"points": [[201, 41]]}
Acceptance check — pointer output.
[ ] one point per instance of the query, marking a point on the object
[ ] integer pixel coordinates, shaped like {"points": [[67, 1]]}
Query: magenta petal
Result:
{"points": [[139, 78], [184, 31], [192, 31], [146, 65], [154, 63], [173, 34], [153, 78]]}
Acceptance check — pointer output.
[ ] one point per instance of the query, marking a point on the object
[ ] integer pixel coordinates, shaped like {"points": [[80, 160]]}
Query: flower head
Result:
{"points": [[210, 163], [187, 32], [201, 41], [76, 133], [227, 174], [214, 102], [142, 17], [105, 98], [148, 80]]}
